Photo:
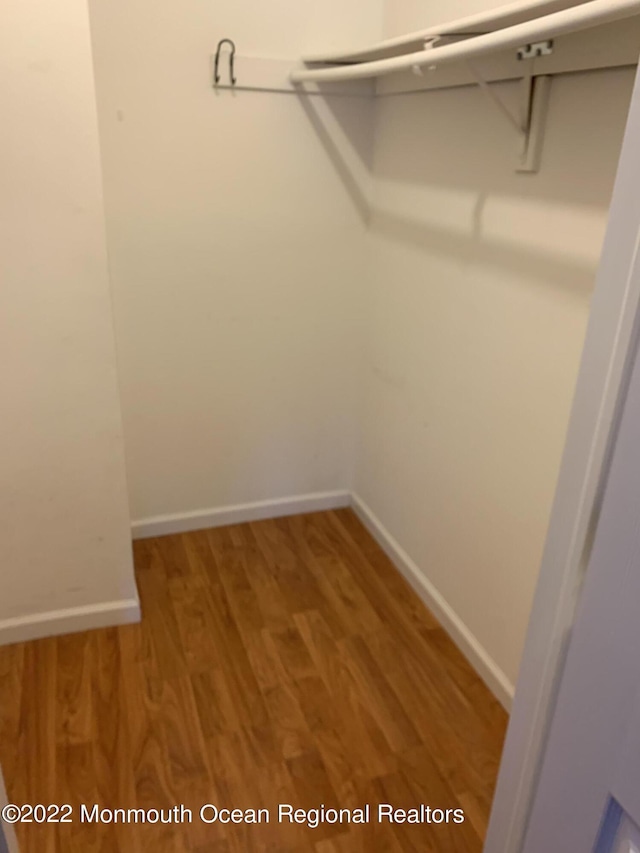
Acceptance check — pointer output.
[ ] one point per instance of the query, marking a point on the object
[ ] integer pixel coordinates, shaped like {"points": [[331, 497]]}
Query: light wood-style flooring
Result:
{"points": [[282, 661]]}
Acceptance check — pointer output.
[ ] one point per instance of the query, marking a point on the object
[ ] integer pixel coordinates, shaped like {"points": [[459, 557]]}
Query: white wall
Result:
{"points": [[245, 275], [63, 507], [236, 245], [480, 280]]}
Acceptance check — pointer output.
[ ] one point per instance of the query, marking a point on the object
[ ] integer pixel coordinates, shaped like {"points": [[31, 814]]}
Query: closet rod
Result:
{"points": [[477, 24], [581, 17]]}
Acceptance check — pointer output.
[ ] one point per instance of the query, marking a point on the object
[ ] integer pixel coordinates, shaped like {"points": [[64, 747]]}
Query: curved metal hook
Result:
{"points": [[232, 57]]}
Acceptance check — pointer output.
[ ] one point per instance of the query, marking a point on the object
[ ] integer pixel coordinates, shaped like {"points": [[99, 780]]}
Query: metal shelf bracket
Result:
{"points": [[530, 124]]}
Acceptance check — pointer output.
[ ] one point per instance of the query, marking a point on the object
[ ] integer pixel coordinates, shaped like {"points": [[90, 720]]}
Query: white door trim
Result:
{"points": [[593, 424]]}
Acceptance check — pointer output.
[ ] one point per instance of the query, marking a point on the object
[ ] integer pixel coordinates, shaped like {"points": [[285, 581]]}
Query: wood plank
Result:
{"points": [[282, 661]]}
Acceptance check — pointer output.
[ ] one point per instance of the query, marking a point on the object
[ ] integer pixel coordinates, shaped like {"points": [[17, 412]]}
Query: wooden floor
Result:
{"points": [[277, 662]]}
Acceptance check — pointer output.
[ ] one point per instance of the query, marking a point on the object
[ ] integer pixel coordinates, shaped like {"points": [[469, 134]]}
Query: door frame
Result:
{"points": [[8, 840], [609, 347]]}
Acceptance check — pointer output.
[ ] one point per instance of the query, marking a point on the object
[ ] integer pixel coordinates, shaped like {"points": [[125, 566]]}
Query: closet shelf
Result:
{"points": [[478, 24], [468, 45]]}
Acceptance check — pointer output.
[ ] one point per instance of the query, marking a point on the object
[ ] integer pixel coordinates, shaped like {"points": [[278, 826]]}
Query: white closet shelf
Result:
{"points": [[478, 24], [548, 26]]}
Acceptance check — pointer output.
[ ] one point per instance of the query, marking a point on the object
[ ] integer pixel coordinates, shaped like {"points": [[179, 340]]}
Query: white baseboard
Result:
{"points": [[69, 621], [482, 662], [183, 522]]}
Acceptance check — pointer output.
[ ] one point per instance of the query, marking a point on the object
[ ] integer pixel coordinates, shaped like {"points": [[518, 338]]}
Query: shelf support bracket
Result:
{"points": [[530, 124], [537, 97], [486, 89]]}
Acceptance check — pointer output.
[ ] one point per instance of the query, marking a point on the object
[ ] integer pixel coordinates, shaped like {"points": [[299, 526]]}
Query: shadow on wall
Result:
{"points": [[455, 138], [453, 142], [551, 268], [348, 139]]}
